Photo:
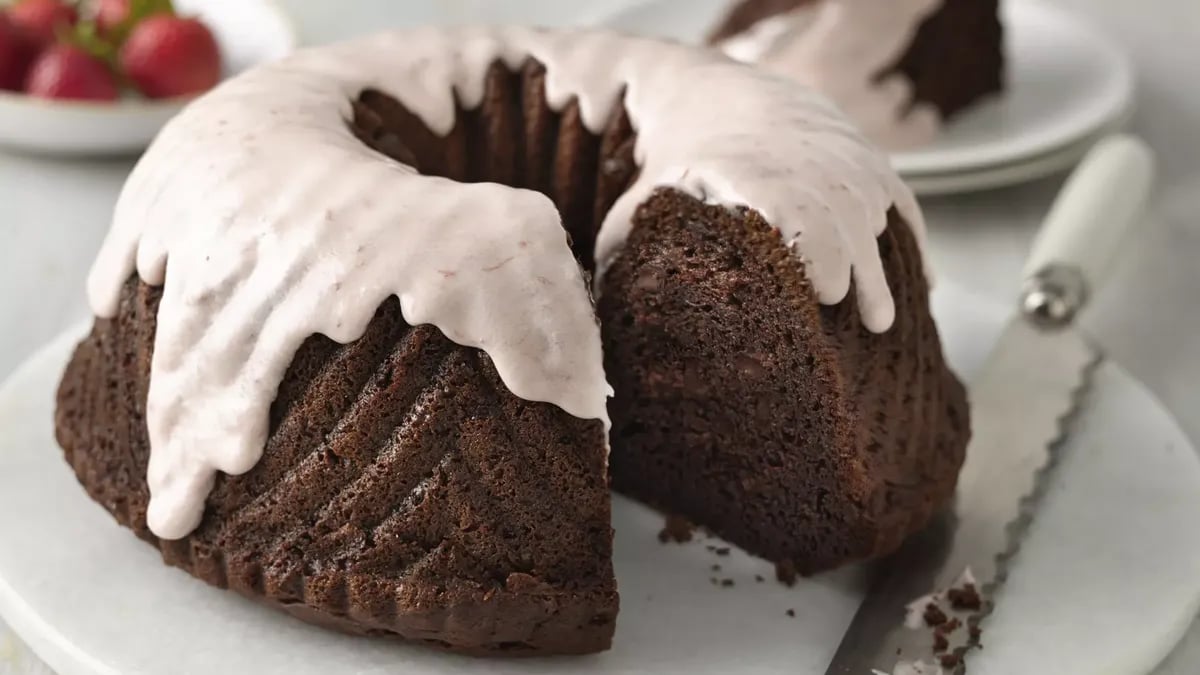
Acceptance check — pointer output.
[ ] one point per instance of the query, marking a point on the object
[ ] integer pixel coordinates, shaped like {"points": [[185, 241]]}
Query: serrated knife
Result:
{"points": [[1021, 402]]}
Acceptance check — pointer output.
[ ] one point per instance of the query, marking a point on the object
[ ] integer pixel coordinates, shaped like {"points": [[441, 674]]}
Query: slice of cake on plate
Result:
{"points": [[898, 68]]}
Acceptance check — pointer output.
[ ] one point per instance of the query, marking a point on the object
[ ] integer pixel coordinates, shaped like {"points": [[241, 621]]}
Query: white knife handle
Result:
{"points": [[1097, 207]]}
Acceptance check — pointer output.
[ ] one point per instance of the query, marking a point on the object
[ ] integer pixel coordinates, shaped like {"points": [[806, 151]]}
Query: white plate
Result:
{"points": [[1107, 581], [248, 31], [1066, 81], [1004, 175]]}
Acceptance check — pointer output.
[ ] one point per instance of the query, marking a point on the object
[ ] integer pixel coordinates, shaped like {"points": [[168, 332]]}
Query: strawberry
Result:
{"points": [[17, 52], [69, 72], [42, 19], [167, 56], [110, 15]]}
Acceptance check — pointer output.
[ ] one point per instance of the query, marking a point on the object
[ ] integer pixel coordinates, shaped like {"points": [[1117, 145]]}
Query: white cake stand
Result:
{"points": [[1107, 581]]}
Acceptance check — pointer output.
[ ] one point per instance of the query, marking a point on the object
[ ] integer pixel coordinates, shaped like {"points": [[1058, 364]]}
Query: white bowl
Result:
{"points": [[249, 32]]}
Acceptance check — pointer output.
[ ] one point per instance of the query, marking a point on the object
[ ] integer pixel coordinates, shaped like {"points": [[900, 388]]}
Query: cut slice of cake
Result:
{"points": [[897, 68]]}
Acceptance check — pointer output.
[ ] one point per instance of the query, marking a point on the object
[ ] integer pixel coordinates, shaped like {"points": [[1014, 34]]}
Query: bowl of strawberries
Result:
{"points": [[101, 77]]}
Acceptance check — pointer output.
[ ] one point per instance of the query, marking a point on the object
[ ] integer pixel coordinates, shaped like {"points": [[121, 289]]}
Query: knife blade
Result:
{"points": [[1021, 404]]}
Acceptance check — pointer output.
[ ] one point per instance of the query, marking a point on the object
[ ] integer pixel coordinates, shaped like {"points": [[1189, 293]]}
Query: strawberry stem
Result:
{"points": [[139, 10], [106, 46], [87, 37]]}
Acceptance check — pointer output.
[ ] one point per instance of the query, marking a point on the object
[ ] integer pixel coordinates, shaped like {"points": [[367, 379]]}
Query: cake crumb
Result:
{"points": [[676, 529], [716, 567], [949, 627], [759, 578], [785, 572], [722, 550], [791, 613], [950, 660], [934, 616], [965, 598], [940, 643], [727, 583], [974, 632]]}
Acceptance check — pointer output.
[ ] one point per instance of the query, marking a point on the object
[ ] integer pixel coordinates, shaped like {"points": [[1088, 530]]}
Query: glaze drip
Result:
{"points": [[279, 224]]}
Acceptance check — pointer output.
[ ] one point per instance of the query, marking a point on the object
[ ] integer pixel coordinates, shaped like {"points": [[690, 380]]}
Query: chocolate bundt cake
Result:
{"points": [[897, 68], [347, 359]]}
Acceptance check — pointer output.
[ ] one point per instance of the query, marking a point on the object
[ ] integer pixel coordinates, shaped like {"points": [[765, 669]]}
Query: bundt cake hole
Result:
{"points": [[514, 138]]}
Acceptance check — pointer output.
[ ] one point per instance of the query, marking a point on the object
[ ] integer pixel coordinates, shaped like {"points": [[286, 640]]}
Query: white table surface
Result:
{"points": [[53, 214]]}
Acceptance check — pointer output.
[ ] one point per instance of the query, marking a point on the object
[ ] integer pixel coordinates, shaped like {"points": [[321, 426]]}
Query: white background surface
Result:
{"points": [[53, 215]]}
